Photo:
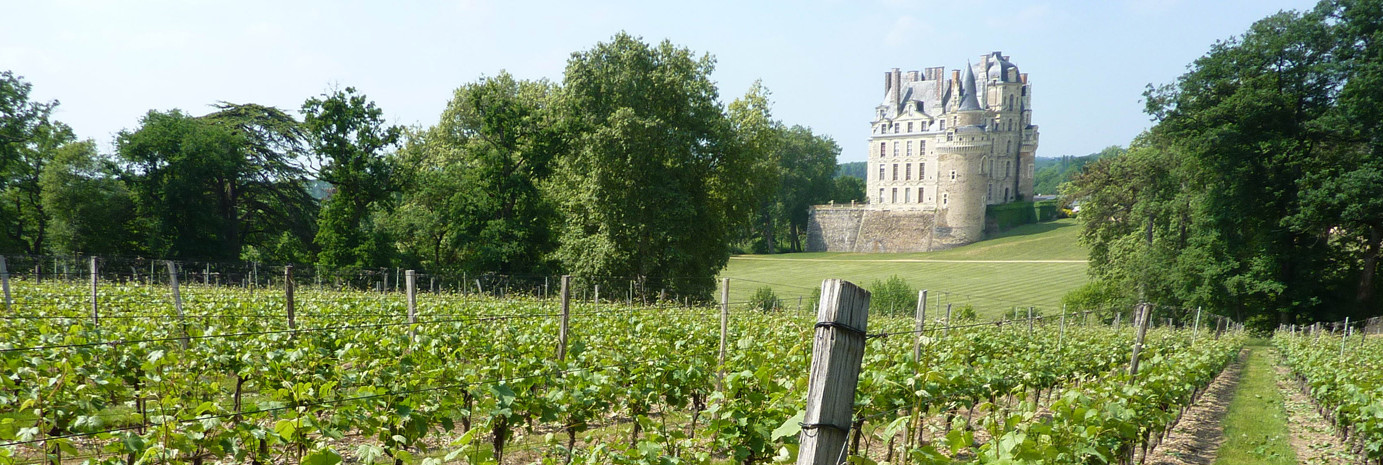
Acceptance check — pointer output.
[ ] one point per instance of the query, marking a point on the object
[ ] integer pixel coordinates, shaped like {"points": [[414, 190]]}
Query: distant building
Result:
{"points": [[941, 150]]}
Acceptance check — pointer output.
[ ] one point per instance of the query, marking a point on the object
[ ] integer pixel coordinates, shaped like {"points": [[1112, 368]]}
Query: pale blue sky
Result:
{"points": [[110, 62]]}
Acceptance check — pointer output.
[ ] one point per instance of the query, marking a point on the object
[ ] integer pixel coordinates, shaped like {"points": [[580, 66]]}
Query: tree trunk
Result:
{"points": [[1364, 298]]}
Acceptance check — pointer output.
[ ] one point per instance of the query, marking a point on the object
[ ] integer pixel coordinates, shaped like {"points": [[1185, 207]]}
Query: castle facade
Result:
{"points": [[942, 148]]}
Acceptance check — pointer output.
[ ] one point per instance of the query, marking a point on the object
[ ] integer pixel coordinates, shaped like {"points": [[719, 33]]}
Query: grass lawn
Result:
{"points": [[1256, 424], [1033, 265]]}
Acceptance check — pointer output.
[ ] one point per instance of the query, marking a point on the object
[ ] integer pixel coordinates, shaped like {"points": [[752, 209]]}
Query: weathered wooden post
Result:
{"points": [[921, 324], [836, 355], [1141, 319], [5, 283], [946, 330], [412, 277], [1196, 328], [1029, 321], [177, 298], [724, 330], [1061, 336], [1344, 336], [566, 316], [95, 310], [288, 296]]}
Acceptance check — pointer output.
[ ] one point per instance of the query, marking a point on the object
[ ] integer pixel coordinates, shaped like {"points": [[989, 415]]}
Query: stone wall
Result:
{"points": [[871, 230]]}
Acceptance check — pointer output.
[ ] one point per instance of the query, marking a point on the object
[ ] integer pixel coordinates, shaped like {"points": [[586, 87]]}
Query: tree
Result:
{"points": [[846, 189], [653, 182], [757, 139], [206, 187], [1257, 191], [348, 131], [807, 167], [89, 209], [472, 199], [27, 141]]}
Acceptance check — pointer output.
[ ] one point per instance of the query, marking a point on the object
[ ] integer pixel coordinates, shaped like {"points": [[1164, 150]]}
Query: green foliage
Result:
{"points": [[854, 169], [1013, 214], [963, 313], [847, 189], [89, 209], [892, 296], [764, 299], [1256, 192], [207, 186], [347, 130], [472, 197], [1051, 173], [655, 179]]}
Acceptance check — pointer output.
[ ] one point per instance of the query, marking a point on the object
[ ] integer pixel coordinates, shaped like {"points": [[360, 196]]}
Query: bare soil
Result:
{"points": [[1312, 437], [1198, 436]]}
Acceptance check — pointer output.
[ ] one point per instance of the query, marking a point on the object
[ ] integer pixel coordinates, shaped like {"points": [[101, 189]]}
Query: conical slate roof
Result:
{"points": [[968, 100]]}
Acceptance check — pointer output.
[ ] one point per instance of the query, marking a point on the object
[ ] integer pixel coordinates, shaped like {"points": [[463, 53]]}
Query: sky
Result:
{"points": [[109, 62]]}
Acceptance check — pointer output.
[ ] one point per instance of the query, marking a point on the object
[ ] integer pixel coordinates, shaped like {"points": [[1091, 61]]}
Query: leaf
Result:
{"points": [[790, 427], [321, 457]]}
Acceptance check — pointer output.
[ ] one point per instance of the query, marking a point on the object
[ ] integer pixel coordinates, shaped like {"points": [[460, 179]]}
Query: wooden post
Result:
{"points": [[566, 316], [921, 324], [288, 296], [724, 330], [177, 298], [1344, 336], [1029, 321], [945, 330], [5, 282], [1061, 336], [1141, 319], [95, 310], [799, 304], [837, 351], [597, 296], [1196, 328], [1117, 317], [206, 275], [254, 274], [412, 278]]}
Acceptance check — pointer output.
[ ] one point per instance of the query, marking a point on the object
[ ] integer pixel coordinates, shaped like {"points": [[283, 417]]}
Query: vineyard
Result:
{"points": [[1343, 375], [220, 374]]}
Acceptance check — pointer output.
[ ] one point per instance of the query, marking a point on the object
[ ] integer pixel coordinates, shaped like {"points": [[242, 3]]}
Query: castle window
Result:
{"points": [[943, 125], [920, 190], [881, 195], [982, 163], [909, 147], [895, 171], [907, 172], [1007, 167], [989, 196], [955, 121], [991, 167], [1008, 147], [906, 191], [922, 147], [895, 127], [945, 198], [921, 171], [895, 148], [1005, 194], [881, 172], [950, 136], [895, 195], [953, 175], [909, 126]]}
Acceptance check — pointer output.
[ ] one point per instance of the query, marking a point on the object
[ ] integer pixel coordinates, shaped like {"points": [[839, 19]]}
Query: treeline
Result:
{"points": [[1260, 188], [1051, 173], [631, 167]]}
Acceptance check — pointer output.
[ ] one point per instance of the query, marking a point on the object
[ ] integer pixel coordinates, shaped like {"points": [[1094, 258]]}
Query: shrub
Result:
{"points": [[964, 313], [892, 296], [764, 299]]}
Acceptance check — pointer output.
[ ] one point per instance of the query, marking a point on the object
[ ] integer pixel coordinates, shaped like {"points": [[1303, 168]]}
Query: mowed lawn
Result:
{"points": [[1033, 265]]}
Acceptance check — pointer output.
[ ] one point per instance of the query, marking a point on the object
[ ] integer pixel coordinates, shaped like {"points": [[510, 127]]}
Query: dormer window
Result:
{"points": [[909, 126]]}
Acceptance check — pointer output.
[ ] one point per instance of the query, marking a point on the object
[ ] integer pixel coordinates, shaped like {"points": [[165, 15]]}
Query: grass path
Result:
{"points": [[1255, 428]]}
